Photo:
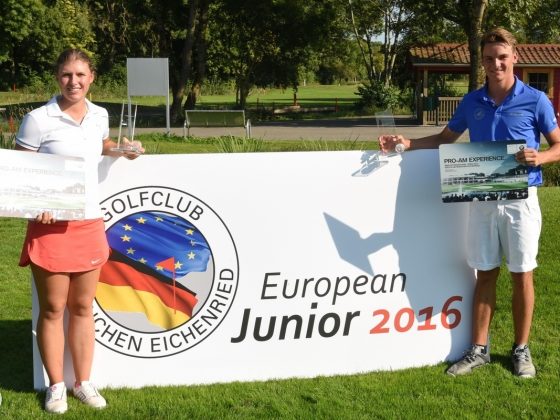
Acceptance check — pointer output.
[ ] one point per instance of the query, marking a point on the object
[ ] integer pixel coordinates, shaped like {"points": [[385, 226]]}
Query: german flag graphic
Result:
{"points": [[148, 251]]}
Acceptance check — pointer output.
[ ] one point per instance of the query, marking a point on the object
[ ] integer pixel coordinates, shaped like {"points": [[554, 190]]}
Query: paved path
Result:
{"points": [[343, 129]]}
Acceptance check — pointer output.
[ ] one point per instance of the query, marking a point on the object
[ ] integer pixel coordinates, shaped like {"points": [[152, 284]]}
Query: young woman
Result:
{"points": [[66, 256]]}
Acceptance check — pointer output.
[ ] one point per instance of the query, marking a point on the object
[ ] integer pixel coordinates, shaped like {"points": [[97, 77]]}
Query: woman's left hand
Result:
{"points": [[128, 149], [135, 148], [45, 218]]}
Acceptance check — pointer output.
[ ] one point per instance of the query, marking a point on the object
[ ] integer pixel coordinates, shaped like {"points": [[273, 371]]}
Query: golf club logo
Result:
{"points": [[479, 114], [171, 277]]}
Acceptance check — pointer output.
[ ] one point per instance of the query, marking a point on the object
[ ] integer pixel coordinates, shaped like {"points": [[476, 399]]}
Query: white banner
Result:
{"points": [[307, 266]]}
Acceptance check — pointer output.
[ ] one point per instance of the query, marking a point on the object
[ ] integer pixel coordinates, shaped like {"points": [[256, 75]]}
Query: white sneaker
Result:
{"points": [[522, 362], [87, 393], [475, 357], [55, 400]]}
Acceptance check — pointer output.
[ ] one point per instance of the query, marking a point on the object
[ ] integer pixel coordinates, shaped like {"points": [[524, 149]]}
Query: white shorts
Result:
{"points": [[510, 228]]}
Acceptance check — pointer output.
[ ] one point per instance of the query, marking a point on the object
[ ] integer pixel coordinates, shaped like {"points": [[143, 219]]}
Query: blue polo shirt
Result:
{"points": [[523, 115]]}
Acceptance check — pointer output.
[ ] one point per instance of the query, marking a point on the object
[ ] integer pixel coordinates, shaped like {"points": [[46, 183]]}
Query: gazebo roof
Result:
{"points": [[448, 54]]}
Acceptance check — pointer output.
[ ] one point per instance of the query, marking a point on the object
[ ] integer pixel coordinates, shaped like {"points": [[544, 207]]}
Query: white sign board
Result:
{"points": [[285, 265], [147, 77]]}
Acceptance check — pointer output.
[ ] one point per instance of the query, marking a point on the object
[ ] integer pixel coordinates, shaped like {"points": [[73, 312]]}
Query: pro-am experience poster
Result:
{"points": [[482, 171], [36, 182]]}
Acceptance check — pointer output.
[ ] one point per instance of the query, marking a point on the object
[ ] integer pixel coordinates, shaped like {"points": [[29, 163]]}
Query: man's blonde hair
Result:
{"points": [[498, 35]]}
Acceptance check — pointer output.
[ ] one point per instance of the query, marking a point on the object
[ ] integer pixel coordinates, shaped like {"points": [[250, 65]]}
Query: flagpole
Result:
{"points": [[174, 293], [169, 264]]}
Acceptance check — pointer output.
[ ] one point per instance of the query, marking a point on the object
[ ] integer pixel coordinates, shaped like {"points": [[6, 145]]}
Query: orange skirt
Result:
{"points": [[66, 247]]}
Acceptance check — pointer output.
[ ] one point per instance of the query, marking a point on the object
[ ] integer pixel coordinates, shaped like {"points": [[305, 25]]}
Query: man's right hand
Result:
{"points": [[387, 143]]}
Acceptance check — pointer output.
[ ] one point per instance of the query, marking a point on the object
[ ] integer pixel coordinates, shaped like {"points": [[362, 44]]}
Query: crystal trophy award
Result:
{"points": [[386, 121], [129, 147], [372, 160]]}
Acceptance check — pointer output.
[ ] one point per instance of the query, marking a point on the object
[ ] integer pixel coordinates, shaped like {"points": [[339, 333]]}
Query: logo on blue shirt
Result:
{"points": [[478, 114]]}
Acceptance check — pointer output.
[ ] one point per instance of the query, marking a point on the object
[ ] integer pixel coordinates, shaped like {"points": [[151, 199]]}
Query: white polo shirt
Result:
{"points": [[49, 130]]}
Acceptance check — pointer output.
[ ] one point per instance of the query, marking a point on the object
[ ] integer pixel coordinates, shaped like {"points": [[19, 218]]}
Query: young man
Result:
{"points": [[503, 109]]}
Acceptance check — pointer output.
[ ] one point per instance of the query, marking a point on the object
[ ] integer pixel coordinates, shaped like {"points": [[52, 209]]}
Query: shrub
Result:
{"points": [[10, 127], [41, 86], [231, 144], [551, 175], [112, 83], [7, 140], [377, 96], [213, 86]]}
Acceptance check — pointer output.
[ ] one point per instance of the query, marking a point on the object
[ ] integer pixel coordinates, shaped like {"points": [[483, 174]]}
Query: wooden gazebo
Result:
{"points": [[538, 65]]}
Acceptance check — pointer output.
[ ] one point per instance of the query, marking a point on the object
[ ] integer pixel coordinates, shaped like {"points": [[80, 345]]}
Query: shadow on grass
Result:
{"points": [[16, 355], [502, 359]]}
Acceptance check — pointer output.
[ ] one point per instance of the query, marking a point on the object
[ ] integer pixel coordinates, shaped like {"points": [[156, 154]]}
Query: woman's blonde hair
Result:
{"points": [[73, 54]]}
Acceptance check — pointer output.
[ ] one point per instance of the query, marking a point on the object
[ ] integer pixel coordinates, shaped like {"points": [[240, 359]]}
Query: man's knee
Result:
{"points": [[488, 275]]}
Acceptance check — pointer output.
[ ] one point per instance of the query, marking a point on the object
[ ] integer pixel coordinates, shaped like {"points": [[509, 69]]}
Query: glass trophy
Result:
{"points": [[128, 147], [399, 148], [386, 121], [372, 160]]}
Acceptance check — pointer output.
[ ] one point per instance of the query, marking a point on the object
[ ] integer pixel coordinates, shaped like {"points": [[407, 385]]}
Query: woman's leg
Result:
{"points": [[81, 334], [52, 291]]}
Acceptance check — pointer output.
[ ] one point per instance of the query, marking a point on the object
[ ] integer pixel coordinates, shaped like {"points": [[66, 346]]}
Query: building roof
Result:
{"points": [[458, 55]]}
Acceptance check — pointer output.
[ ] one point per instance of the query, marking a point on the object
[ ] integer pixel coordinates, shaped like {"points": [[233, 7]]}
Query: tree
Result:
{"points": [[473, 29], [366, 24], [255, 42], [185, 59], [545, 18], [470, 16], [17, 19], [379, 27], [33, 33], [200, 47], [340, 61], [242, 41], [74, 20], [173, 29], [264, 43], [529, 20], [532, 21], [114, 26]]}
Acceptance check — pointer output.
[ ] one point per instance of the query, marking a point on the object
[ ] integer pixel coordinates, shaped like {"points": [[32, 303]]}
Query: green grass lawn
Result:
{"points": [[311, 95], [151, 109], [162, 144], [420, 393]]}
